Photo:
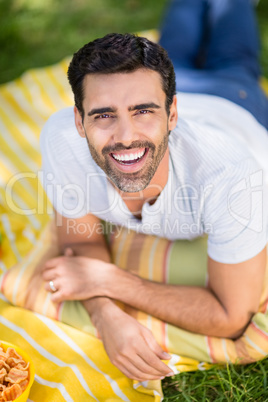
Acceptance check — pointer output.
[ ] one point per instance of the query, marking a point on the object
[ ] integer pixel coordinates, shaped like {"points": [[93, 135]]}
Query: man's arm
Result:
{"points": [[130, 346], [223, 309]]}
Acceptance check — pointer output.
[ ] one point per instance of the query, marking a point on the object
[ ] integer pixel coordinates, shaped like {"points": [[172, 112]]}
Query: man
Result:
{"points": [[148, 167]]}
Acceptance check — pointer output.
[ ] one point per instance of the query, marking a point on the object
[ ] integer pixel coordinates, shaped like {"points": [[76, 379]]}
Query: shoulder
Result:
{"points": [[207, 153], [59, 125], [60, 139], [223, 128]]}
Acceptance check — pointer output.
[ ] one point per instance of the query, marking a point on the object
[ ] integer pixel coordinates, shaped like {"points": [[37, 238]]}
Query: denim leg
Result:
{"points": [[231, 69], [183, 30], [233, 36]]}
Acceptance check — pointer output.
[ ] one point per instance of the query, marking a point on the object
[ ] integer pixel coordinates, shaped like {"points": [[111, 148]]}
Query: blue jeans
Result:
{"points": [[214, 46]]}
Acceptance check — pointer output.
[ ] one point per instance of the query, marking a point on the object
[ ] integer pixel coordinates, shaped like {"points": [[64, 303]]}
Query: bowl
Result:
{"points": [[24, 396]]}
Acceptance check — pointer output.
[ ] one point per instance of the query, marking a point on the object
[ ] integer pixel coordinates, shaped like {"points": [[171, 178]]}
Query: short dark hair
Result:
{"points": [[117, 53]]}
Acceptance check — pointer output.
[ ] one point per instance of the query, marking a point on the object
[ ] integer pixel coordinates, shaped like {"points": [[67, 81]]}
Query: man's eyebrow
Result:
{"points": [[101, 110], [150, 105]]}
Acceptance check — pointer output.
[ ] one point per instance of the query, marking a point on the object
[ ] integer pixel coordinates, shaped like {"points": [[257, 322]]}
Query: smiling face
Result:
{"points": [[126, 125]]}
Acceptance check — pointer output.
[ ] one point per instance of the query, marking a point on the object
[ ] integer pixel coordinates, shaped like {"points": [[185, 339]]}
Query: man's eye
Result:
{"points": [[103, 116], [144, 111]]}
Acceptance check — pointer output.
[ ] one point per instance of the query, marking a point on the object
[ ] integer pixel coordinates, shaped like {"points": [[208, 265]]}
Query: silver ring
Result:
{"points": [[52, 286]]}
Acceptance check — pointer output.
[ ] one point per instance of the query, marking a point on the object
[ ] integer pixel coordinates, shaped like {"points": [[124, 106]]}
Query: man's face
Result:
{"points": [[126, 125]]}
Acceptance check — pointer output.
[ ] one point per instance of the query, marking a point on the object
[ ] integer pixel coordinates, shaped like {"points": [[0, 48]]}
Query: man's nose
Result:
{"points": [[126, 131]]}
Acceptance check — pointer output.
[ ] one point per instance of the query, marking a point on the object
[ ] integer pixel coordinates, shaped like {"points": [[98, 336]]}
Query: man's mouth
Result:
{"points": [[129, 158]]}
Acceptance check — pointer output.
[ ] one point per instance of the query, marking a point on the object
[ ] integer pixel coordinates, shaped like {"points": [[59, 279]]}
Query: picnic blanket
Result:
{"points": [[70, 361]]}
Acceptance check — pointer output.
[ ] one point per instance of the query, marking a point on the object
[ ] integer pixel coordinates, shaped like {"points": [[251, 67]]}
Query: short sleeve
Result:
{"points": [[235, 213]]}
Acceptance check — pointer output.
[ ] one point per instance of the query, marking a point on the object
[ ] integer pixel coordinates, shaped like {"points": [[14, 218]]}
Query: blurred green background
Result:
{"points": [[36, 33]]}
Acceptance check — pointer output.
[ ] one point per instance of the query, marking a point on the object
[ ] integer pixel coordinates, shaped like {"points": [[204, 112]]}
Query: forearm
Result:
{"points": [[97, 251], [96, 308], [194, 309]]}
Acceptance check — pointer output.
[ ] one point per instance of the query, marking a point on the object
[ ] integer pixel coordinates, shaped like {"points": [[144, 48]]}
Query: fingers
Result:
{"points": [[68, 252], [152, 364], [136, 368], [138, 361], [151, 355], [51, 267], [57, 297], [150, 369], [131, 371], [48, 287], [154, 346], [53, 262], [149, 338], [49, 274]]}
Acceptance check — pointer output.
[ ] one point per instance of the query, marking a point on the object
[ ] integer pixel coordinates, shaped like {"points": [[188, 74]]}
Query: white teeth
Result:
{"points": [[129, 157]]}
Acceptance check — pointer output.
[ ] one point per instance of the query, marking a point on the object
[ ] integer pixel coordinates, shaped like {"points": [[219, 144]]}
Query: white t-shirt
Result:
{"points": [[218, 176]]}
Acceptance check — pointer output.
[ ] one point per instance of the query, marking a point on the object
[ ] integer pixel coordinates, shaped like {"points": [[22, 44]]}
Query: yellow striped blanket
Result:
{"points": [[70, 361]]}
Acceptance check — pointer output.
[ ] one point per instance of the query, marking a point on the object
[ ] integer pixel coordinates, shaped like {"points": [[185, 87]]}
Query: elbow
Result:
{"points": [[234, 327], [234, 332]]}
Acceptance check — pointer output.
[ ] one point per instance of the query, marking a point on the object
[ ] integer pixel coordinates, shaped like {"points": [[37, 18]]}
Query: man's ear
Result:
{"points": [[79, 122], [173, 114]]}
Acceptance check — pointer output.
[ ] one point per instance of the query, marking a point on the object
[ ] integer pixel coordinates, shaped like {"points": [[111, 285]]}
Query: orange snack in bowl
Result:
{"points": [[11, 393], [24, 384], [14, 374], [3, 373], [3, 355]]}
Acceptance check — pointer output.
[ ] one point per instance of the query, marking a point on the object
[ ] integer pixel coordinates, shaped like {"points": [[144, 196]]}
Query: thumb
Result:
{"points": [[155, 346], [68, 252], [56, 297], [164, 355]]}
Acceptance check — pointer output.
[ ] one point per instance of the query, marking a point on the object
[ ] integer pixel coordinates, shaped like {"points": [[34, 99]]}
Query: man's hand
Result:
{"points": [[77, 278], [130, 346]]}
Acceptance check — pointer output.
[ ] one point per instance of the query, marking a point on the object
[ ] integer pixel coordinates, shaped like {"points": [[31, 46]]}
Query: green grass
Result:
{"points": [[233, 383], [263, 24], [35, 33]]}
